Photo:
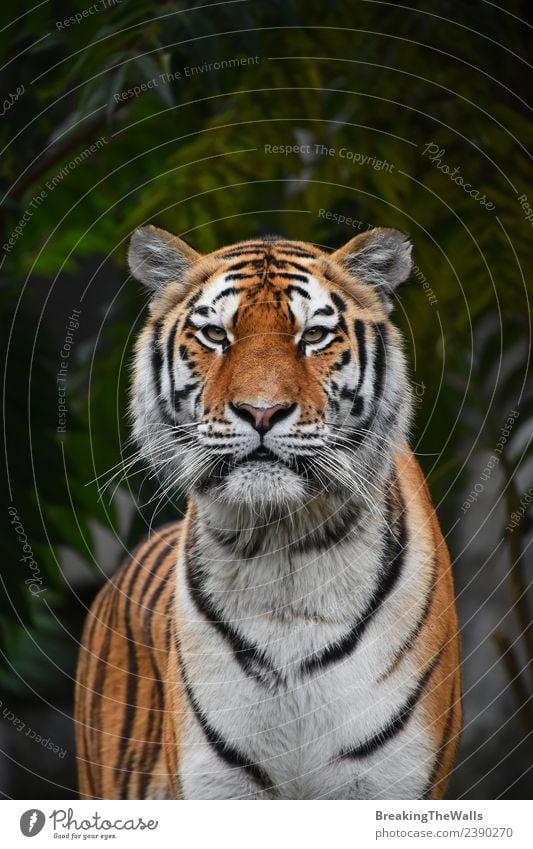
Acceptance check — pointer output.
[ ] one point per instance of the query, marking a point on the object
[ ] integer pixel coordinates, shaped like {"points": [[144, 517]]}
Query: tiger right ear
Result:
{"points": [[380, 257], [156, 257]]}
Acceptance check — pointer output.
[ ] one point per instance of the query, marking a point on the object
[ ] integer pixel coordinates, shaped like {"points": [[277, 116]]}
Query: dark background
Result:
{"points": [[188, 153]]}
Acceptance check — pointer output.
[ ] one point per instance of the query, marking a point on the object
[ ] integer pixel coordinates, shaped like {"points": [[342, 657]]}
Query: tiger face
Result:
{"points": [[268, 372]]}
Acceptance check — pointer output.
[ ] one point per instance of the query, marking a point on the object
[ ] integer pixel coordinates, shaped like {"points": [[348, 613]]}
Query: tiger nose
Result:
{"points": [[262, 418]]}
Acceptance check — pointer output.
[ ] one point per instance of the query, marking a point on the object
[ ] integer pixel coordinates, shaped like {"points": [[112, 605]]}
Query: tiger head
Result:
{"points": [[268, 372]]}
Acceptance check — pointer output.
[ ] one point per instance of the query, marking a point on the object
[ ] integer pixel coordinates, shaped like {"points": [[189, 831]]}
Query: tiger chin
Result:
{"points": [[295, 635]]}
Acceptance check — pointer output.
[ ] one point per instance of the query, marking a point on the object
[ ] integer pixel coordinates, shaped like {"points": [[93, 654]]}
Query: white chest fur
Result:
{"points": [[282, 684]]}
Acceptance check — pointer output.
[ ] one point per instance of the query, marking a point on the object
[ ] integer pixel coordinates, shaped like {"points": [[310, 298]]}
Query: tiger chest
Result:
{"points": [[281, 692], [296, 728]]}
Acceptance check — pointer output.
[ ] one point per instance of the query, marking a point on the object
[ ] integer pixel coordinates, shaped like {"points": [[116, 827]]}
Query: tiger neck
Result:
{"points": [[312, 563]]}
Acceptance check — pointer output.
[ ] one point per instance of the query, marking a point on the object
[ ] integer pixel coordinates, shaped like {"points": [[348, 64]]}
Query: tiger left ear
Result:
{"points": [[379, 257], [156, 257]]}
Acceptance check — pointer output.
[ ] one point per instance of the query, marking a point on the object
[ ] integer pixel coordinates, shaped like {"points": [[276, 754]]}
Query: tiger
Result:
{"points": [[294, 635]]}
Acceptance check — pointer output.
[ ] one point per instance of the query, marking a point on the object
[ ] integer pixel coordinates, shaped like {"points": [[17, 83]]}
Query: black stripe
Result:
{"points": [[295, 252], [233, 757], [329, 534], [130, 706], [170, 356], [283, 263], [170, 622], [327, 310], [443, 743], [233, 541], [146, 760], [97, 614], [184, 353], [249, 247], [339, 302], [149, 752], [252, 660], [390, 572], [360, 335], [240, 252], [303, 292], [230, 290], [109, 622], [240, 275], [285, 275], [157, 357], [125, 753], [157, 368], [398, 721], [150, 605], [356, 407], [238, 266], [325, 536], [194, 298], [362, 432], [343, 360], [341, 324], [411, 638], [181, 394], [380, 359], [140, 754]]}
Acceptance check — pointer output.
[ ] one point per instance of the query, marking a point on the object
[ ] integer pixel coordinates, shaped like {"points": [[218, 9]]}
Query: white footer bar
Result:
{"points": [[267, 825]]}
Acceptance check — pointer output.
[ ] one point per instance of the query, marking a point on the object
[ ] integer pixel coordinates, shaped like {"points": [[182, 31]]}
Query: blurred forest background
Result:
{"points": [[119, 113]]}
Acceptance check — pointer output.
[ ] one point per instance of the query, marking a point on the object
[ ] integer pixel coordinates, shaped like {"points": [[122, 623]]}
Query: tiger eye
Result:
{"points": [[215, 333], [314, 334]]}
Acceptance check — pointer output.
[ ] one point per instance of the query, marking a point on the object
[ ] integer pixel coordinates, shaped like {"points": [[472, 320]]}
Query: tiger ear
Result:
{"points": [[380, 257], [156, 257]]}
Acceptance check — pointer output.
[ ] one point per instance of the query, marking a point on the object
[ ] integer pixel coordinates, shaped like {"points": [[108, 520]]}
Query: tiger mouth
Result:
{"points": [[262, 455], [301, 463]]}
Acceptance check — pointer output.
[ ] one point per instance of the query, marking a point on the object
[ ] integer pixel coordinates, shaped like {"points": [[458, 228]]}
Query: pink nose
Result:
{"points": [[262, 418]]}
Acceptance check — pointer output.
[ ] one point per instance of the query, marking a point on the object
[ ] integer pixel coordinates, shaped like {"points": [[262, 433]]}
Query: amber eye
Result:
{"points": [[314, 334], [214, 333]]}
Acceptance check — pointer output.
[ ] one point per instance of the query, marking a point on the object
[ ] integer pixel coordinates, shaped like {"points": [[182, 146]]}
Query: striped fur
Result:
{"points": [[295, 637]]}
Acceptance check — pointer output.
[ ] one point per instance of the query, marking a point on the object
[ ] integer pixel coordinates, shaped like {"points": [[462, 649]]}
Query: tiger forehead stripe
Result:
{"points": [[230, 290]]}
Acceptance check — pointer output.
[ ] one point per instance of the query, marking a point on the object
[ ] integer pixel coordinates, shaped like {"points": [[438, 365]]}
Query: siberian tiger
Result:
{"points": [[295, 636]]}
